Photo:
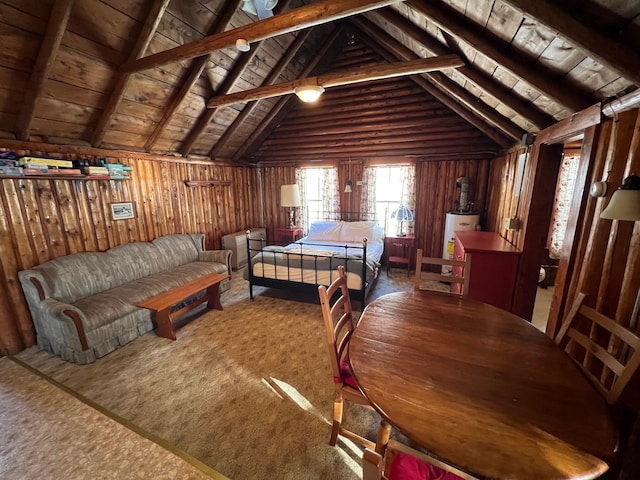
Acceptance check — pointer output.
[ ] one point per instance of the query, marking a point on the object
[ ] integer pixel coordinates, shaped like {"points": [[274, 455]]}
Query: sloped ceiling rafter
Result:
{"points": [[395, 24], [197, 67], [60, 12], [441, 86], [122, 79], [524, 68], [611, 52], [227, 85]]}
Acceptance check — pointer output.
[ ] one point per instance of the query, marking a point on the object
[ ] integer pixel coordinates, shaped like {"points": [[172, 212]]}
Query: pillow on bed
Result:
{"points": [[326, 231], [356, 231]]}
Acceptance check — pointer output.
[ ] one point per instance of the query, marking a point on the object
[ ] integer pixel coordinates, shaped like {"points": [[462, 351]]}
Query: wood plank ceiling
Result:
{"points": [[137, 74]]}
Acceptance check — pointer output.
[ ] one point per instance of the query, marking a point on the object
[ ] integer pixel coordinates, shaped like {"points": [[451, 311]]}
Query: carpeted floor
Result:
{"points": [[247, 390]]}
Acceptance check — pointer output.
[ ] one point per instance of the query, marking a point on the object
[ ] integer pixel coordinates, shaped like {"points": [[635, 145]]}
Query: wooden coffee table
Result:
{"points": [[161, 304]]}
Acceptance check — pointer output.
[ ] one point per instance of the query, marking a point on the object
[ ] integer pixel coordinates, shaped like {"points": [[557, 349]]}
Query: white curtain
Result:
{"points": [[562, 204]]}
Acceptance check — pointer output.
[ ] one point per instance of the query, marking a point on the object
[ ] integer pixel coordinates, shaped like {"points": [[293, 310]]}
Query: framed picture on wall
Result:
{"points": [[122, 211]]}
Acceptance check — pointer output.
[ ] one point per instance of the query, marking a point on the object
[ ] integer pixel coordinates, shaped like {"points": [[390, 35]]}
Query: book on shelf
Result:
{"points": [[35, 171], [9, 170], [51, 162], [90, 170], [65, 171]]}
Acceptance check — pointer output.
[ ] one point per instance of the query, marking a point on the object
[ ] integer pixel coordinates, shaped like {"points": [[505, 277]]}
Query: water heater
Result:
{"points": [[456, 221]]}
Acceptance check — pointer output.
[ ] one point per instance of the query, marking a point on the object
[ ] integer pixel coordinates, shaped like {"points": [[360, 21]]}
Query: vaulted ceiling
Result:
{"points": [[139, 75]]}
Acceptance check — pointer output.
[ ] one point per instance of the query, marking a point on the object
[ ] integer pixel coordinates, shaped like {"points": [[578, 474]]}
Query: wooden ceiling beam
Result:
{"points": [[269, 122], [524, 68], [479, 78], [227, 84], [297, 19], [366, 73], [391, 48], [606, 50], [273, 75], [56, 27], [196, 70], [122, 79]]}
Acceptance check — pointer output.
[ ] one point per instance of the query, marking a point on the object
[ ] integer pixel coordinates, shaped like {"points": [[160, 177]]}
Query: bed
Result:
{"points": [[314, 259]]}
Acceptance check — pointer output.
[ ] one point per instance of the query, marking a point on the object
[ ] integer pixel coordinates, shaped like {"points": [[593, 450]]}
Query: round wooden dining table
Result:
{"points": [[480, 388]]}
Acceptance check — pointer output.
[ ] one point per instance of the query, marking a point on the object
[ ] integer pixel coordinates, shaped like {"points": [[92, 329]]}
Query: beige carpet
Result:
{"points": [[247, 390], [47, 433]]}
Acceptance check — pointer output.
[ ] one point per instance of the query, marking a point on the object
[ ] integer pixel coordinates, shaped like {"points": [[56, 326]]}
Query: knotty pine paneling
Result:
{"points": [[41, 219], [604, 263], [436, 193]]}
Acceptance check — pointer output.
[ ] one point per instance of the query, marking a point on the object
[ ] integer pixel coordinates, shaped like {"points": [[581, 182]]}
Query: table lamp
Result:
{"points": [[290, 197], [402, 214]]}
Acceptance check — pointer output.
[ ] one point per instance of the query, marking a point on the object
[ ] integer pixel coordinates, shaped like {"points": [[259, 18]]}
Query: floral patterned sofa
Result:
{"points": [[84, 305]]}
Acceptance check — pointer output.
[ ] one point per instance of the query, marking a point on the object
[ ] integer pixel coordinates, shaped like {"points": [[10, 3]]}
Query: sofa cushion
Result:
{"points": [[152, 285], [78, 275], [103, 308], [176, 250], [137, 259]]}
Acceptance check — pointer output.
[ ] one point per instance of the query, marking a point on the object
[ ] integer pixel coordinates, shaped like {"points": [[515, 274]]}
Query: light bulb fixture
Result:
{"points": [[309, 93], [242, 45], [625, 201], [347, 187]]}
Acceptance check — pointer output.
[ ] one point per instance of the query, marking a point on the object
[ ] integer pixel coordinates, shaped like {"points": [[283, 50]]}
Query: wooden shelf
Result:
{"points": [[57, 177], [207, 183]]}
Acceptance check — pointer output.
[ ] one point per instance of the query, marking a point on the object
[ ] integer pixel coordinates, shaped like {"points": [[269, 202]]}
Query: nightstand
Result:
{"points": [[288, 235], [399, 250]]}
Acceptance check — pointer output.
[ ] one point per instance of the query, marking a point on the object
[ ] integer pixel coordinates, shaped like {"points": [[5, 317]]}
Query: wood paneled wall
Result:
{"points": [[602, 259], [436, 192], [44, 219]]}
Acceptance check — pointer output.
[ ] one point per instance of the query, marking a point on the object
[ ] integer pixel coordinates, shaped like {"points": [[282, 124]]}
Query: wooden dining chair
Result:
{"points": [[459, 277], [339, 326], [606, 352], [401, 462]]}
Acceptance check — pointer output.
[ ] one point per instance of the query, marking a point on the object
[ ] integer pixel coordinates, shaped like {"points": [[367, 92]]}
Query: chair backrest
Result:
{"points": [[338, 320], [401, 462], [607, 352], [459, 277]]}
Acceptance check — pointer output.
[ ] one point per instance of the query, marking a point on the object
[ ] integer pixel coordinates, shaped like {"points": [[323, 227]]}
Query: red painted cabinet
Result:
{"points": [[494, 266]]}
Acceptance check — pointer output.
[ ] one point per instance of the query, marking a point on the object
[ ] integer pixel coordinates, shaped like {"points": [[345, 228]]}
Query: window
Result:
{"points": [[562, 203], [320, 195], [388, 187]]}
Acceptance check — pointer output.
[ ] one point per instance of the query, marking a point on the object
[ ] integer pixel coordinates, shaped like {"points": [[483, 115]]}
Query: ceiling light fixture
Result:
{"points": [[261, 8], [309, 93], [242, 45]]}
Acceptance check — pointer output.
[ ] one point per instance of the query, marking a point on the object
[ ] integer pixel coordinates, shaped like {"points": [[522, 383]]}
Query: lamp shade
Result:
{"points": [[309, 93], [290, 196], [625, 201], [402, 213]]}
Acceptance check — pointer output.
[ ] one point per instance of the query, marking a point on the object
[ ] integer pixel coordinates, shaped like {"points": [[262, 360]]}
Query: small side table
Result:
{"points": [[399, 250], [288, 235]]}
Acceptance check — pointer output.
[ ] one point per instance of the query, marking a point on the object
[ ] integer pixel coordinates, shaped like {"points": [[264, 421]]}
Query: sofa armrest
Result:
{"points": [[220, 256], [64, 321]]}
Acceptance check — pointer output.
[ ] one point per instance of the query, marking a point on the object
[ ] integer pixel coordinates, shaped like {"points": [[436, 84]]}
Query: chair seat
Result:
{"points": [[408, 467]]}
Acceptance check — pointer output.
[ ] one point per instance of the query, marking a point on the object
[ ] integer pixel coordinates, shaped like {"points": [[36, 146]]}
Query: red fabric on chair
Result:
{"points": [[408, 467], [345, 373]]}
